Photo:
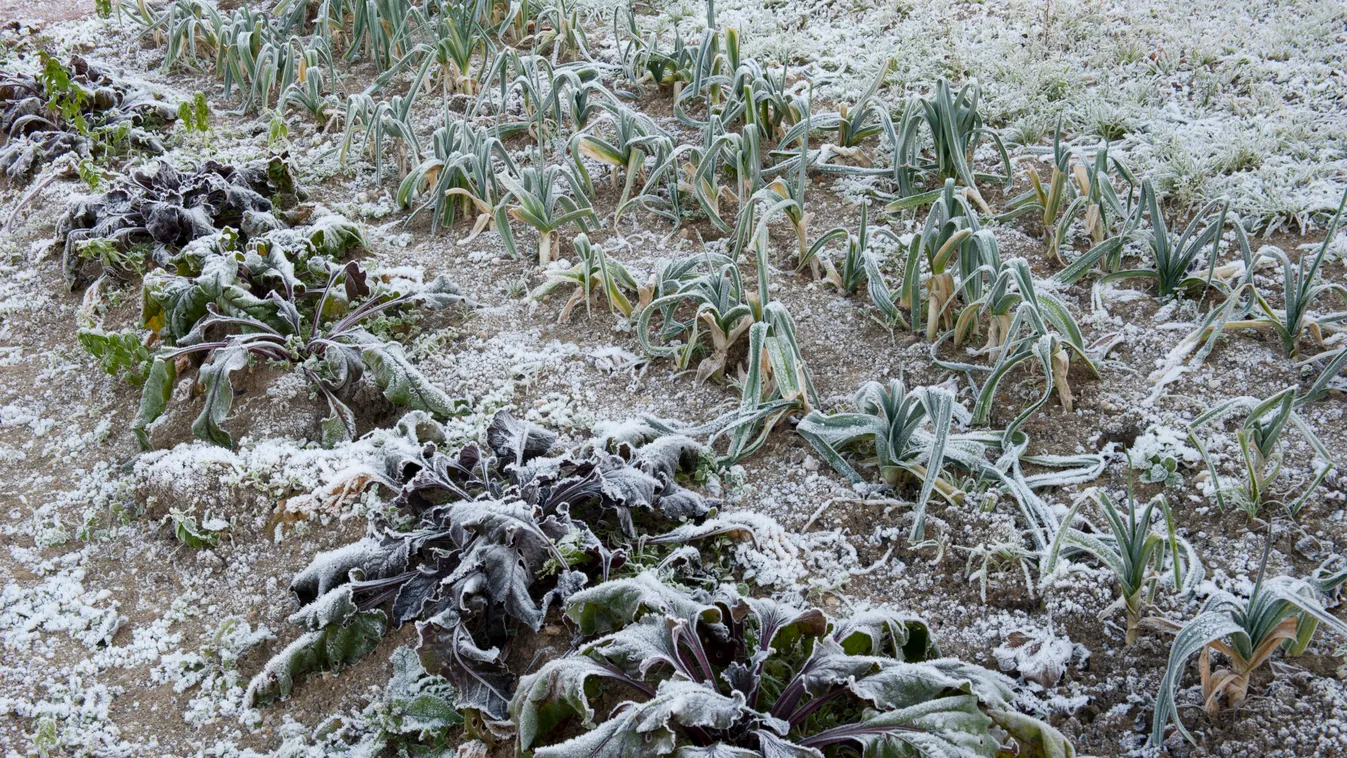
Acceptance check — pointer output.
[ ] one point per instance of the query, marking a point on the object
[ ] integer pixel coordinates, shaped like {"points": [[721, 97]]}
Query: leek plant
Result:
{"points": [[311, 91], [957, 129], [1261, 451], [1024, 323], [533, 197], [1096, 200], [383, 122], [851, 124], [892, 419], [751, 95], [948, 232], [1335, 361], [189, 30], [1047, 201], [458, 37], [860, 265], [1140, 553], [595, 273], [779, 197], [643, 61], [561, 29], [253, 57], [1247, 308], [1175, 257], [774, 384], [739, 154], [458, 176], [635, 139], [711, 286], [540, 90], [888, 430], [581, 105], [386, 30], [1281, 611], [512, 19]]}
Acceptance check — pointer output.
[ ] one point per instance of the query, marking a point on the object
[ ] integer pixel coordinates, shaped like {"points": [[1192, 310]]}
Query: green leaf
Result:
{"points": [[615, 604], [879, 631], [339, 425], [779, 626], [186, 116], [559, 690], [416, 702], [154, 397], [732, 526], [328, 649], [1036, 739], [829, 667], [219, 394], [335, 236], [240, 303], [947, 726], [429, 713], [404, 384], [201, 109], [172, 305], [898, 686], [440, 293], [120, 354], [722, 750], [194, 534], [939, 405], [280, 177], [650, 728], [642, 647]]}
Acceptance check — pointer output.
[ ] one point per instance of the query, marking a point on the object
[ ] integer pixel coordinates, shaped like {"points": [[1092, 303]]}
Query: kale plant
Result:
{"points": [[414, 712], [167, 209], [261, 307], [1159, 453], [500, 534], [74, 109], [728, 675]]}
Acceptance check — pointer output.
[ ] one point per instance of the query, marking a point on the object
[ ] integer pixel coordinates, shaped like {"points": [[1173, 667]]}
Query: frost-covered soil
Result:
{"points": [[116, 639]]}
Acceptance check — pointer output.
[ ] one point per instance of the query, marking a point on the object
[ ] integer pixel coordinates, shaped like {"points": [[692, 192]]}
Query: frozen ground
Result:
{"points": [[118, 640]]}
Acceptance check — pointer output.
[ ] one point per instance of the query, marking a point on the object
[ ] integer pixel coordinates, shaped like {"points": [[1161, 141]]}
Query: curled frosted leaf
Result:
{"points": [[612, 605], [335, 236], [517, 441], [650, 728], [404, 384], [374, 558], [879, 631], [329, 649], [219, 394], [333, 607], [559, 690]]}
